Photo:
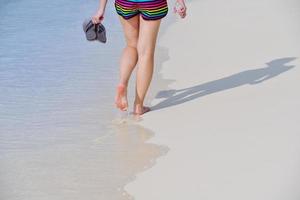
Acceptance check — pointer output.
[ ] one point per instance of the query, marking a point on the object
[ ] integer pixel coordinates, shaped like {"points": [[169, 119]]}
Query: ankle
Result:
{"points": [[138, 103]]}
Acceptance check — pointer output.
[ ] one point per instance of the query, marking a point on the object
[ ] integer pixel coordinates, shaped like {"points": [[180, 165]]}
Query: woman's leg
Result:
{"points": [[128, 59], [145, 48]]}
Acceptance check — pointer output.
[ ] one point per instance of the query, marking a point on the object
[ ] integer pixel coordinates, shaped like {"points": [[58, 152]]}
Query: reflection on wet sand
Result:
{"points": [[133, 154]]}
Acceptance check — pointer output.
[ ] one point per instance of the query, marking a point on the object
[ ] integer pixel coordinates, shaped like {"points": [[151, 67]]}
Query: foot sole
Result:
{"points": [[121, 99]]}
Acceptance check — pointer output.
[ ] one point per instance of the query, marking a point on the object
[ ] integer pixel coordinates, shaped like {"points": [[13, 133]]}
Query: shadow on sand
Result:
{"points": [[252, 77]]}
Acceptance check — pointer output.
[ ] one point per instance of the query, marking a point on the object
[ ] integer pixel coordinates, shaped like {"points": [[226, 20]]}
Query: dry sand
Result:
{"points": [[226, 95]]}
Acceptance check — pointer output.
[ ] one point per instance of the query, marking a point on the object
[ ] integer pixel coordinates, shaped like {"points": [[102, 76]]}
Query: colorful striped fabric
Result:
{"points": [[149, 9]]}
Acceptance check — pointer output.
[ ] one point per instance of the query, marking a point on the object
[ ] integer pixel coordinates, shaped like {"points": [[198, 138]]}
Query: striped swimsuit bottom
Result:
{"points": [[149, 9]]}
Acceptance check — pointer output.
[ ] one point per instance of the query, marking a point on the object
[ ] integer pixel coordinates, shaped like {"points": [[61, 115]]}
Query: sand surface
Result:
{"points": [[226, 99]]}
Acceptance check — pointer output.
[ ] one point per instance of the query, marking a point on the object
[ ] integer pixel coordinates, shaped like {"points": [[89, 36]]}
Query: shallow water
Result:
{"points": [[60, 136]]}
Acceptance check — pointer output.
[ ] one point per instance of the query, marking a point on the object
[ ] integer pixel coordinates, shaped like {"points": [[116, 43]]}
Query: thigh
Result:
{"points": [[153, 10], [130, 29], [148, 35]]}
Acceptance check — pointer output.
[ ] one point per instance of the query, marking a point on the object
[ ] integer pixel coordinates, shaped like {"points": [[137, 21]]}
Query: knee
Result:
{"points": [[132, 44], [145, 50]]}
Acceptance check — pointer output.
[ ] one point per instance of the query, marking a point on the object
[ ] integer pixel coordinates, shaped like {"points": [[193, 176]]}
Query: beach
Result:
{"points": [[226, 103]]}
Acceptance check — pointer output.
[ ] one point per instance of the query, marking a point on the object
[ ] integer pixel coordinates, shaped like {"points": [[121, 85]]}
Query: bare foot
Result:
{"points": [[139, 110], [121, 97]]}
